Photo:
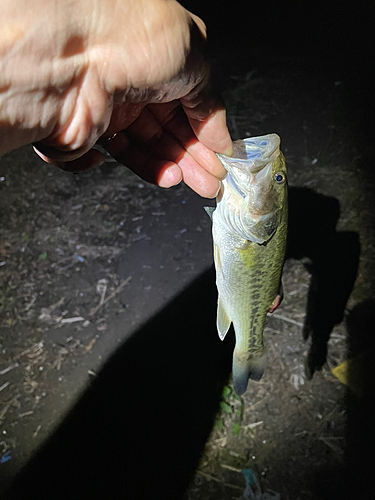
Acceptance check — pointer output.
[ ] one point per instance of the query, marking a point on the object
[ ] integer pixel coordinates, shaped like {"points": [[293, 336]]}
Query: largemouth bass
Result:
{"points": [[249, 227]]}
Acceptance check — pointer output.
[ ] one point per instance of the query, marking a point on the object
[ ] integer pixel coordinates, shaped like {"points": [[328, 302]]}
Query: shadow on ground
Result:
{"points": [[140, 429], [360, 404], [356, 480], [333, 258]]}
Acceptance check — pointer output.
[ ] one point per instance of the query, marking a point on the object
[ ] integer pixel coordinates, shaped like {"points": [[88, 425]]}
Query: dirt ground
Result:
{"points": [[102, 269]]}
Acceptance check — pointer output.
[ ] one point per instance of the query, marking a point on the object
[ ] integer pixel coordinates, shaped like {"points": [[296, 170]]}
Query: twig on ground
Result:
{"points": [[9, 368], [35, 347], [329, 414], [72, 320], [110, 296], [25, 414], [4, 386], [229, 467], [284, 318], [333, 446], [36, 432], [90, 345], [252, 426], [31, 303], [5, 409], [256, 404]]}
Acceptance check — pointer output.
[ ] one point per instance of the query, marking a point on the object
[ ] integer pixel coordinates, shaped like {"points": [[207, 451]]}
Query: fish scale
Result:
{"points": [[249, 234]]}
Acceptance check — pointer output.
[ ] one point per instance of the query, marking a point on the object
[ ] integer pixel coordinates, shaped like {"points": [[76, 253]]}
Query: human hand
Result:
{"points": [[129, 73]]}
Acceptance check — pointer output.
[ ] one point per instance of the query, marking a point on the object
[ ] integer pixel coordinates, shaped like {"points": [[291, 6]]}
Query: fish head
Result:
{"points": [[256, 186]]}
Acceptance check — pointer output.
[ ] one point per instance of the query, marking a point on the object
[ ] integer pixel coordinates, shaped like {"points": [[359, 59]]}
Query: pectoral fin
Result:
{"points": [[222, 320], [217, 259], [210, 211]]}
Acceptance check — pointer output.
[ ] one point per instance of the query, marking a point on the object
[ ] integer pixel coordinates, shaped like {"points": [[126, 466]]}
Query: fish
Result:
{"points": [[249, 230]]}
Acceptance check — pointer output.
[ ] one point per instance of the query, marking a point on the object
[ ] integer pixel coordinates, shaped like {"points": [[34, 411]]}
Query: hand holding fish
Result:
{"points": [[128, 73]]}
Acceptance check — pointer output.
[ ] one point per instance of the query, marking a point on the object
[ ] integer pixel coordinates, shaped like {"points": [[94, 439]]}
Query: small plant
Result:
{"points": [[231, 404]]}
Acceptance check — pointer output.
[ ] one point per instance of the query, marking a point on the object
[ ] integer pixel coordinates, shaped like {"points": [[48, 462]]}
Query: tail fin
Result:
{"points": [[245, 369]]}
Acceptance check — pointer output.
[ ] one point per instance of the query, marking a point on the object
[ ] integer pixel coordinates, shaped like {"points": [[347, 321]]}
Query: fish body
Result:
{"points": [[249, 235]]}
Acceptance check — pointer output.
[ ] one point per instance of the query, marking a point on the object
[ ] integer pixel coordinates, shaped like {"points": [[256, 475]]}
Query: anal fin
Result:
{"points": [[222, 320]]}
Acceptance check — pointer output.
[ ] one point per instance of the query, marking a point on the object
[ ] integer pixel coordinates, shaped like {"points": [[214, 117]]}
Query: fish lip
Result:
{"points": [[252, 154]]}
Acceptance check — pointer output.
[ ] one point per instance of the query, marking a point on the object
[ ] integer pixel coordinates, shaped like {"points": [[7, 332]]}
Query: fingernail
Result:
{"points": [[217, 192], [229, 151]]}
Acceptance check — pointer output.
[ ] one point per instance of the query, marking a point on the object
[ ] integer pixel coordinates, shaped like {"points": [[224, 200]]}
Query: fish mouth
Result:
{"points": [[250, 155]]}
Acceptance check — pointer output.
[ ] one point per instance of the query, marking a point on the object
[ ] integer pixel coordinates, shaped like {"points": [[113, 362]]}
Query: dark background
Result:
{"points": [[334, 37]]}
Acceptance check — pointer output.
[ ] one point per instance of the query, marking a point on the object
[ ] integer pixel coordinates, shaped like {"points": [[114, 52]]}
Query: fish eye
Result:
{"points": [[279, 178]]}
